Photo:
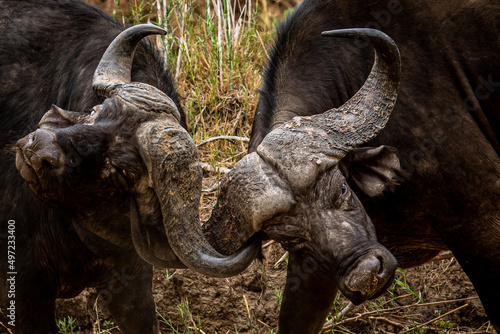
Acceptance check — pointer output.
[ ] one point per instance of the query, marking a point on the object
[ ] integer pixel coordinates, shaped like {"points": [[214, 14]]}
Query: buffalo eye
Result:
{"points": [[344, 190], [73, 161], [293, 244], [96, 110]]}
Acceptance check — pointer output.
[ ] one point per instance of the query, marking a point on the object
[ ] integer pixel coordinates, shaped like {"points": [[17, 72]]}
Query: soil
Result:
{"points": [[249, 302]]}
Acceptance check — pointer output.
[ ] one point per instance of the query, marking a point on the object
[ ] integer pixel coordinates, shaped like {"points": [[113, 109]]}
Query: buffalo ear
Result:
{"points": [[373, 169], [57, 118]]}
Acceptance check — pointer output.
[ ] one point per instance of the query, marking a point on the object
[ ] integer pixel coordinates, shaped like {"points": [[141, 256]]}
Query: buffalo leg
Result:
{"points": [[308, 296], [480, 259], [128, 295], [488, 293], [35, 307]]}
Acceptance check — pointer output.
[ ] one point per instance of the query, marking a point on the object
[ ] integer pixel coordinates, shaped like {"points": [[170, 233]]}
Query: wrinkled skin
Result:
{"points": [[445, 128], [102, 191], [299, 195], [331, 240], [339, 235]]}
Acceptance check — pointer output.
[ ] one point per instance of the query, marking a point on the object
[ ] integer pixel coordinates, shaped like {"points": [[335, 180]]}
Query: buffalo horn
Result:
{"points": [[175, 175], [145, 247], [306, 146], [173, 169], [115, 66], [363, 116]]}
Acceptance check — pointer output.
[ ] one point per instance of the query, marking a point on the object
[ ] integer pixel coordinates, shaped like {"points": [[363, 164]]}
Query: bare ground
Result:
{"points": [[220, 305], [249, 302]]}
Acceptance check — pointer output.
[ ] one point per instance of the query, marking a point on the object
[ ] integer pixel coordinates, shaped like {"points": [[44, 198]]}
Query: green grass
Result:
{"points": [[66, 325], [278, 292], [186, 322]]}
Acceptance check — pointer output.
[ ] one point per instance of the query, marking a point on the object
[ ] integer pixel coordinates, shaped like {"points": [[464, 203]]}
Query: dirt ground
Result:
{"points": [[220, 305], [189, 302]]}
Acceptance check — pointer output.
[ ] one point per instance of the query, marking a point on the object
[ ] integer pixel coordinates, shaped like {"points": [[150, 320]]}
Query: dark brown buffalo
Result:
{"points": [[106, 172], [445, 127], [293, 189]]}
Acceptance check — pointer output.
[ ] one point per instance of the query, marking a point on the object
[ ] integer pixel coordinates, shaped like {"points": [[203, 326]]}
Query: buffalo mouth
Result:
{"points": [[38, 156], [369, 276], [25, 168]]}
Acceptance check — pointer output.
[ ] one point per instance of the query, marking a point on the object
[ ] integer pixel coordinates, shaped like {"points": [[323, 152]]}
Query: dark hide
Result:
{"points": [[445, 127], [297, 194], [48, 53]]}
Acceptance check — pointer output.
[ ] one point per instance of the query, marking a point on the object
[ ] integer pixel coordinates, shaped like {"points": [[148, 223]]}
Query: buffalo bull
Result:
{"points": [[107, 176], [445, 127], [300, 196]]}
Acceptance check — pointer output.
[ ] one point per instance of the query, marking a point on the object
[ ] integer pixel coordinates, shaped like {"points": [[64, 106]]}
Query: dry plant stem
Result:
{"points": [[442, 256], [281, 259], [329, 325], [8, 329], [402, 319], [236, 138], [390, 322], [436, 319], [234, 156], [96, 326], [348, 331], [210, 168], [248, 310], [269, 243], [396, 298], [263, 323], [214, 187], [194, 325], [263, 45], [197, 330], [237, 119]]}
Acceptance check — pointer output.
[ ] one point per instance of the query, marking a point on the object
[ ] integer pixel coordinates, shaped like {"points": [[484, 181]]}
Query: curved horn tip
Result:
{"points": [[116, 63], [369, 109], [377, 38], [357, 32], [145, 28]]}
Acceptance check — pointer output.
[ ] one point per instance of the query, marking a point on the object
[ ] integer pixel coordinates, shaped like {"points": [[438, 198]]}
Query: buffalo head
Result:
{"points": [[296, 190], [127, 172]]}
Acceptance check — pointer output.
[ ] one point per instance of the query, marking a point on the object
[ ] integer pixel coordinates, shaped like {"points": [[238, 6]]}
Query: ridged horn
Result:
{"points": [[116, 64], [306, 146], [363, 116], [176, 175]]}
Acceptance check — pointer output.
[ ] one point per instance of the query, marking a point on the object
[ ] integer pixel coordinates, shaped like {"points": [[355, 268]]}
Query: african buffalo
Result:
{"points": [[106, 172], [445, 128]]}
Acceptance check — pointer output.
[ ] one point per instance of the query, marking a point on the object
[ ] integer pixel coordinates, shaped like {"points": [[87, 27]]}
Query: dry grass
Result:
{"points": [[216, 50]]}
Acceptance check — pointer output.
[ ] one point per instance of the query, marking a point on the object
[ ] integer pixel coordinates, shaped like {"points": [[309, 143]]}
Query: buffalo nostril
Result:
{"points": [[381, 270], [367, 277], [46, 152], [373, 266]]}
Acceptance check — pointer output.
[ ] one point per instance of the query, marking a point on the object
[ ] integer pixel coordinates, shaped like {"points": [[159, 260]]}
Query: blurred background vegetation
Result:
{"points": [[216, 50]]}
